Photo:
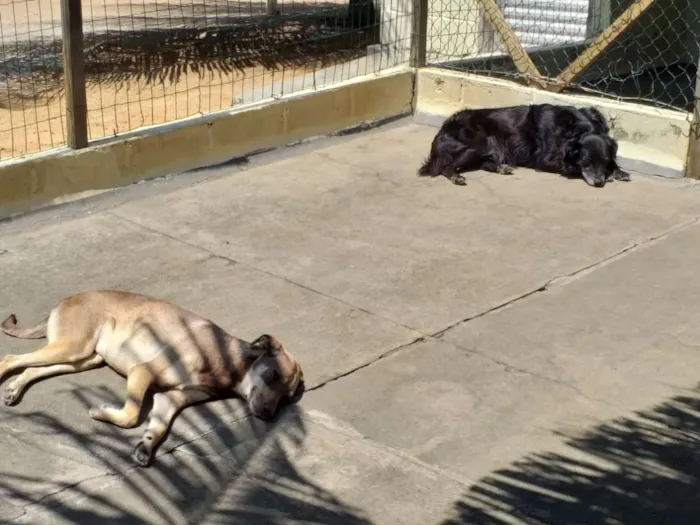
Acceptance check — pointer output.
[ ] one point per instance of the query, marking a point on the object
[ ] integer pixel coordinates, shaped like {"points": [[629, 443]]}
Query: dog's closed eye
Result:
{"points": [[271, 376]]}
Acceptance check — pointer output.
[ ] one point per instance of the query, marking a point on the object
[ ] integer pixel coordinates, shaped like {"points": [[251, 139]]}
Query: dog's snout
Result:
{"points": [[265, 413]]}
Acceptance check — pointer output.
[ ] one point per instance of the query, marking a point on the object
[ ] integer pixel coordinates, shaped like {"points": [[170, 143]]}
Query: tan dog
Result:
{"points": [[183, 357]]}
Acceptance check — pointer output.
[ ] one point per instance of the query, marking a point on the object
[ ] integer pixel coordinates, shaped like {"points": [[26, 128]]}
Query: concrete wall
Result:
{"points": [[152, 152], [653, 141]]}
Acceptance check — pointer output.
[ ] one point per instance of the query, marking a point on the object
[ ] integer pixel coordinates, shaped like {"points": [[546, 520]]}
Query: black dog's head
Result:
{"points": [[590, 156]]}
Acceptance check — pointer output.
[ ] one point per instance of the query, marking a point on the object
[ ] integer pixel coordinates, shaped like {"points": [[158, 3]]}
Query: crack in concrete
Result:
{"points": [[29, 509], [366, 364], [509, 368], [35, 507]]}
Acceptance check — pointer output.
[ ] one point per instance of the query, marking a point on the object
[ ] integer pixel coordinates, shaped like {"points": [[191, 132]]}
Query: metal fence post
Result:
{"points": [[271, 8], [692, 165], [74, 73], [419, 36]]}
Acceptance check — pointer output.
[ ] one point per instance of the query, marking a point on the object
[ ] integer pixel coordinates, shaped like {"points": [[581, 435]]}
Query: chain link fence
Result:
{"points": [[642, 51], [154, 61]]}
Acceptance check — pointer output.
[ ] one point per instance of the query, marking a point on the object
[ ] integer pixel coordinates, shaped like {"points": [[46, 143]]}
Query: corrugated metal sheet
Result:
{"points": [[545, 22]]}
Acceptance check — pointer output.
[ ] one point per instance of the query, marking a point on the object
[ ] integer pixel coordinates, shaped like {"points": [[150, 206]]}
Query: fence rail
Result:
{"points": [[135, 63]]}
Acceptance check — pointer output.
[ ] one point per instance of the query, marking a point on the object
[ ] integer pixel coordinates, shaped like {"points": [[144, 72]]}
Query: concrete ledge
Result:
{"points": [[652, 141], [630, 156], [155, 151]]}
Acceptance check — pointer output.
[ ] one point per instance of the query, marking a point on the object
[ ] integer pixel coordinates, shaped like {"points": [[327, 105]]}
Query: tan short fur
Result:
{"points": [[157, 345]]}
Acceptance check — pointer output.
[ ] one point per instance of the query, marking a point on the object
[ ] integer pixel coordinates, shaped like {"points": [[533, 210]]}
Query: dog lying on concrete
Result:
{"points": [[559, 139], [157, 345]]}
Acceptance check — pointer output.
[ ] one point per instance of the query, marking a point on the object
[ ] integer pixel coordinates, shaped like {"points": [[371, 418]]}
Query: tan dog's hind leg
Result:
{"points": [[16, 387], [166, 406], [138, 380], [58, 352]]}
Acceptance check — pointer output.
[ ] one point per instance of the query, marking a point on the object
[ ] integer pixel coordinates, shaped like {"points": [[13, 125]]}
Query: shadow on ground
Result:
{"points": [[222, 38], [217, 465], [208, 480], [636, 470]]}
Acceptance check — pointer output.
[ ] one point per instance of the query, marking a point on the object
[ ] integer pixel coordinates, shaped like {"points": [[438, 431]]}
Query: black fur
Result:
{"points": [[558, 139]]}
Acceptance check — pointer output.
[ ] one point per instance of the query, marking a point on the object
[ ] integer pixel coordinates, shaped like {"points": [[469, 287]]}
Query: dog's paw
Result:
{"points": [[101, 413], [622, 176], [506, 169], [142, 454], [10, 397], [458, 180]]}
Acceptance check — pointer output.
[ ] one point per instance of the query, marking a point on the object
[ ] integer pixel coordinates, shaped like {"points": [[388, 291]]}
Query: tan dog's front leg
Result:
{"points": [[16, 387], [138, 380], [166, 406]]}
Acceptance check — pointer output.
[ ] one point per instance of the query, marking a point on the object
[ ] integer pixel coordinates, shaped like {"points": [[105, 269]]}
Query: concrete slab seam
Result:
{"points": [[269, 274], [365, 365], [576, 274]]}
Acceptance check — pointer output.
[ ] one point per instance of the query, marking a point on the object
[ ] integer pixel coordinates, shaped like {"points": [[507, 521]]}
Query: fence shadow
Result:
{"points": [[639, 470]]}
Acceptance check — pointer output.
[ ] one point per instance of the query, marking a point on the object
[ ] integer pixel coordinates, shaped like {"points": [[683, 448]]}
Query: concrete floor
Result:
{"points": [[524, 349]]}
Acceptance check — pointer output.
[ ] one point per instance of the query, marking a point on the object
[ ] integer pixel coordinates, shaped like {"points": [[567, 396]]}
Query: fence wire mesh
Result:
{"points": [[32, 110], [150, 62], [652, 61]]}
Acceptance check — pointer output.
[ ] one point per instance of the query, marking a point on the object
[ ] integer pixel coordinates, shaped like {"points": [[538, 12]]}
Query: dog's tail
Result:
{"points": [[430, 168], [9, 326]]}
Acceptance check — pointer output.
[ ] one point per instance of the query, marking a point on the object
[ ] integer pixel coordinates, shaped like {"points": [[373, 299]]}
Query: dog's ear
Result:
{"points": [[599, 121], [265, 344], [572, 150]]}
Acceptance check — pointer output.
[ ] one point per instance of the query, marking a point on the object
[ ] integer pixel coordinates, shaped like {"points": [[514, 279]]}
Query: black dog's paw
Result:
{"points": [[505, 169], [622, 176], [10, 397], [142, 455], [458, 180]]}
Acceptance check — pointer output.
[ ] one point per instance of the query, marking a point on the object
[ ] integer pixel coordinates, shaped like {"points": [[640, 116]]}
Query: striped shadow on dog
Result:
{"points": [[182, 357]]}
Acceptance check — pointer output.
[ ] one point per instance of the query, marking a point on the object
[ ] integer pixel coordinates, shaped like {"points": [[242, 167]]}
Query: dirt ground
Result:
{"points": [[116, 108]]}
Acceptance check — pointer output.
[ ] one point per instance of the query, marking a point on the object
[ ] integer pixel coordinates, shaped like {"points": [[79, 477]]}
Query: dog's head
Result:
{"points": [[274, 377], [590, 155]]}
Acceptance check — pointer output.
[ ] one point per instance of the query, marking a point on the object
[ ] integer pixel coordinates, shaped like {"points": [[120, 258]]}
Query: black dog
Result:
{"points": [[558, 139]]}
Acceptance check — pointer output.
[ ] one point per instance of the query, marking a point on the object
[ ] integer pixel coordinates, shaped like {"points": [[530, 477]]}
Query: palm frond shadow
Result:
{"points": [[223, 38], [218, 466], [239, 473], [639, 470]]}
